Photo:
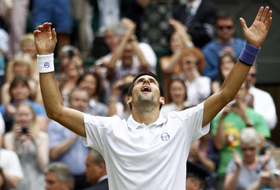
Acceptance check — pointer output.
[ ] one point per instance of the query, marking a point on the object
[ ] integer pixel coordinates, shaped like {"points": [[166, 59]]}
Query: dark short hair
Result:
{"points": [[224, 15], [139, 75]]}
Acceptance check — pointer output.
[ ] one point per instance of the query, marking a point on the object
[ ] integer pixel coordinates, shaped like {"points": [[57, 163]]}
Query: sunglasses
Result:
{"points": [[224, 27], [249, 148]]}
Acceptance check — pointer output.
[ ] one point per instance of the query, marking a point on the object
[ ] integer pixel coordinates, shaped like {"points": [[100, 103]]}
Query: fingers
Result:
{"points": [[243, 24], [259, 15], [54, 35], [264, 14], [268, 20]]}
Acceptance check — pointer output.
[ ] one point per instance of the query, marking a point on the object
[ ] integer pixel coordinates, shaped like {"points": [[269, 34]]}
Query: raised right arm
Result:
{"points": [[45, 41]]}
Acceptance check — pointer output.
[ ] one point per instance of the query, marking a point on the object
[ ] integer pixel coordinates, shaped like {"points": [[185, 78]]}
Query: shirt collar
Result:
{"points": [[102, 178], [132, 124], [195, 4]]}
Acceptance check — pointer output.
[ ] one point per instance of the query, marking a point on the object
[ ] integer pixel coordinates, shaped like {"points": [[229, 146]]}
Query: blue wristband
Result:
{"points": [[249, 54]]}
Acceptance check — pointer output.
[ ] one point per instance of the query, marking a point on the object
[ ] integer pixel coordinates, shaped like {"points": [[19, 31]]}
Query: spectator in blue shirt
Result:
{"points": [[224, 43], [20, 92]]}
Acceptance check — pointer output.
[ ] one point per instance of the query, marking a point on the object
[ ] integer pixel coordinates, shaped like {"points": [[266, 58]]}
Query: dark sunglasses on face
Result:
{"points": [[223, 27], [249, 148]]}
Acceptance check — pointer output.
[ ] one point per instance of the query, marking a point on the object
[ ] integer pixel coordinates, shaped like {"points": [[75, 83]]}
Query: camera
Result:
{"points": [[24, 129], [275, 173]]}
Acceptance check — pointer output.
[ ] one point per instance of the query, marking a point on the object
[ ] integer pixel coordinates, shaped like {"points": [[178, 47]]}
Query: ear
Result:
{"points": [[161, 100], [129, 100]]}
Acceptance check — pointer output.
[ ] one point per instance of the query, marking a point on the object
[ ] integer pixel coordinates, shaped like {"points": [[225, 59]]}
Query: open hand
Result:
{"points": [[256, 34], [45, 39], [237, 158]]}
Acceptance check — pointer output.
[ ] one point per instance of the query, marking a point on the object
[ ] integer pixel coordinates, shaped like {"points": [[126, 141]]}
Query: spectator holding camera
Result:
{"points": [[32, 146], [242, 172], [226, 128], [267, 178]]}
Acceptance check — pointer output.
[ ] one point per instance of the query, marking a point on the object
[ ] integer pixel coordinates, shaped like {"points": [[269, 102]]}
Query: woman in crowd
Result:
{"points": [[71, 68], [198, 87], [243, 172], [169, 64], [27, 46], [20, 91], [93, 83], [21, 66], [32, 146], [177, 95], [226, 62]]}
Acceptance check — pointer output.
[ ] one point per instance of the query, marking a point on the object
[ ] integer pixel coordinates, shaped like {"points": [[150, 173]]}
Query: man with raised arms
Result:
{"points": [[146, 151]]}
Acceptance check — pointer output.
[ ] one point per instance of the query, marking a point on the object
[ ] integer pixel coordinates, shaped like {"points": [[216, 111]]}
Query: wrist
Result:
{"points": [[45, 63], [249, 54]]}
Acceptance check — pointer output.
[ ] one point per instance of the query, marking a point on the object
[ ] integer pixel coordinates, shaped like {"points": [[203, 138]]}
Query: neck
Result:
{"points": [[145, 116], [180, 105]]}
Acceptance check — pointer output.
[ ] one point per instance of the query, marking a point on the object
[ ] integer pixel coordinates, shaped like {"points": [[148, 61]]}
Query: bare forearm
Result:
{"points": [[234, 81], [256, 186], [42, 154], [232, 180], [219, 138], [144, 64], [10, 180], [62, 147], [168, 65], [112, 106], [51, 96], [206, 162]]}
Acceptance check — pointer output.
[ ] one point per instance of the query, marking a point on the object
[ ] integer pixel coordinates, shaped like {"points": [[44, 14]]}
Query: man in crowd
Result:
{"points": [[96, 171], [66, 146], [58, 176], [199, 18], [260, 100], [140, 152], [224, 43]]}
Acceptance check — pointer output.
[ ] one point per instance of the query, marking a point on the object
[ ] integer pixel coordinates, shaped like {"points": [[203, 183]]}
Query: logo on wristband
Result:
{"points": [[46, 65]]}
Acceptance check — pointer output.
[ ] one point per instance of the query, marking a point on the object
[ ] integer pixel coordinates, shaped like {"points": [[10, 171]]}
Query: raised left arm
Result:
{"points": [[255, 35]]}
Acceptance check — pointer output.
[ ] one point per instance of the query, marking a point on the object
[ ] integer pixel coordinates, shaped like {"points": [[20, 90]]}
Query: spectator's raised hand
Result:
{"points": [[237, 158], [130, 26], [45, 39], [256, 34]]}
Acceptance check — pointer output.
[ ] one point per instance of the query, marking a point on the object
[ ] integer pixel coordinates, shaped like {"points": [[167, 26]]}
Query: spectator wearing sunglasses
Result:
{"points": [[224, 43], [260, 100], [198, 87], [245, 170]]}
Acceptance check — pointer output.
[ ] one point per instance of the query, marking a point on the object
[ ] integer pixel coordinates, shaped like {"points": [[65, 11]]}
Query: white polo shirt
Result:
{"points": [[140, 157]]}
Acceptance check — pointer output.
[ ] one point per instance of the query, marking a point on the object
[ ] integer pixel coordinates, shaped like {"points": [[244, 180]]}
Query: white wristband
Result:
{"points": [[45, 63]]}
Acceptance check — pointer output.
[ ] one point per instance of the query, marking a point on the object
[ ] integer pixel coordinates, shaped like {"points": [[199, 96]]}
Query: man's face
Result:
{"points": [[111, 40], [225, 29], [241, 94], [146, 91], [127, 57], [251, 77], [93, 172], [79, 100], [53, 182]]}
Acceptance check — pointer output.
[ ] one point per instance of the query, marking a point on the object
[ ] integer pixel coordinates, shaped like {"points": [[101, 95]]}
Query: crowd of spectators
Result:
{"points": [[38, 153]]}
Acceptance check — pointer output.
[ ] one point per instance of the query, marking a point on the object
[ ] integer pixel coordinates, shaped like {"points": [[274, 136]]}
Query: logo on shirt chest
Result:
{"points": [[165, 136]]}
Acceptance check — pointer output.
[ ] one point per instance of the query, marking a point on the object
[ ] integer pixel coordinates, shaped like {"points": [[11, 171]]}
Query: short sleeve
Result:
{"points": [[231, 167], [2, 125], [96, 131], [192, 119], [261, 126], [12, 164]]}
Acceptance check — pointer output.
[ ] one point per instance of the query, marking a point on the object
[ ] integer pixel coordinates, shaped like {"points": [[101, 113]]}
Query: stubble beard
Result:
{"points": [[145, 104]]}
